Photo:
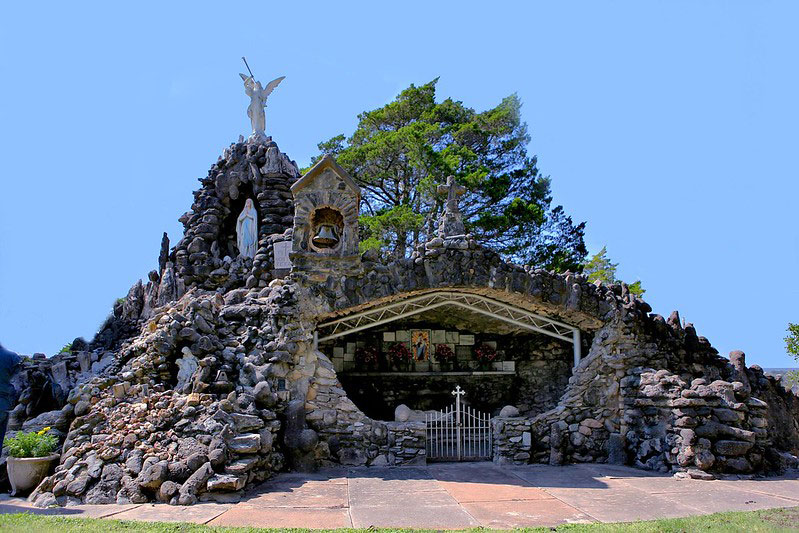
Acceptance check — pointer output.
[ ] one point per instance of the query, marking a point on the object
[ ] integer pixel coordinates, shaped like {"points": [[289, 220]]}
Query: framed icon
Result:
{"points": [[420, 344]]}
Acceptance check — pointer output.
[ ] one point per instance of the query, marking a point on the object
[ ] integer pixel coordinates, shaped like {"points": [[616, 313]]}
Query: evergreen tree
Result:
{"points": [[401, 152], [792, 347], [792, 341], [601, 268]]}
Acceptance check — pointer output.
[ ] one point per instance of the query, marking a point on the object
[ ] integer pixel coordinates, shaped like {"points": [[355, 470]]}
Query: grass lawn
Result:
{"points": [[750, 522]]}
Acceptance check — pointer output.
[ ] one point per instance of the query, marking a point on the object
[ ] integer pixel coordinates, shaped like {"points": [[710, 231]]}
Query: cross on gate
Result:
{"points": [[458, 392], [458, 432]]}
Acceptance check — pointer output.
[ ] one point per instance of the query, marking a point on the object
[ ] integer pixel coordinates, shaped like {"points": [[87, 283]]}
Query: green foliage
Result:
{"points": [[371, 243], [636, 289], [792, 340], [32, 444], [401, 152], [792, 347], [388, 224], [66, 348], [600, 267]]}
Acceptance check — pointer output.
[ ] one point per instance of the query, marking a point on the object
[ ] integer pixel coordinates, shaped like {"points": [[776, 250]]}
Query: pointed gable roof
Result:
{"points": [[327, 162]]}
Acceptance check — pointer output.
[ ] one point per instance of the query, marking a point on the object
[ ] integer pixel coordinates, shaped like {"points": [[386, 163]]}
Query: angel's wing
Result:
{"points": [[271, 86]]}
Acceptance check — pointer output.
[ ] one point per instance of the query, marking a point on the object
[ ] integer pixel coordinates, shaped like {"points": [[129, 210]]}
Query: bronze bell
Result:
{"points": [[326, 236]]}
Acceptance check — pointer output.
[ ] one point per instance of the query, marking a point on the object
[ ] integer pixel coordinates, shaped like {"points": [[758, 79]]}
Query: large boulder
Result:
{"points": [[195, 484], [153, 475], [402, 413], [509, 411]]}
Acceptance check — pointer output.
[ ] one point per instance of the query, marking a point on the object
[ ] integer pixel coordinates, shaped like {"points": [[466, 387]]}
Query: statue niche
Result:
{"points": [[240, 225]]}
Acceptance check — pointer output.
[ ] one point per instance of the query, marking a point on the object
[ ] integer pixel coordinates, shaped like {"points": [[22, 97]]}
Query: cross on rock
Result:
{"points": [[451, 223], [453, 192]]}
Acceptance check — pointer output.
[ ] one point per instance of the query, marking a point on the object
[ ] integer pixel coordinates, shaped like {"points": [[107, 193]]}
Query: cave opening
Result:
{"points": [[417, 361]]}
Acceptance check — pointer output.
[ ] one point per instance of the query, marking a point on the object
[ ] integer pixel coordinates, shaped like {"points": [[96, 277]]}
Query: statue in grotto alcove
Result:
{"points": [[247, 230]]}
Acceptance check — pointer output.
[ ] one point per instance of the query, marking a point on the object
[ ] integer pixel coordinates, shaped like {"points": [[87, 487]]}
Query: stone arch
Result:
{"points": [[227, 234]]}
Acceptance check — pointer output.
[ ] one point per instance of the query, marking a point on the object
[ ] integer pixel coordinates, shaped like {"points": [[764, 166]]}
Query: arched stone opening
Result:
{"points": [[327, 227], [227, 235], [503, 355]]}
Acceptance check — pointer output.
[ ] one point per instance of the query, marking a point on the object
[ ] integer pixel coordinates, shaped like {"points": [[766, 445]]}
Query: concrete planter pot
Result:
{"points": [[24, 473]]}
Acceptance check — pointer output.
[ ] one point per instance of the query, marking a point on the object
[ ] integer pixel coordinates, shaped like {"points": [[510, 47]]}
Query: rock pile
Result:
{"points": [[44, 384], [149, 432], [697, 412]]}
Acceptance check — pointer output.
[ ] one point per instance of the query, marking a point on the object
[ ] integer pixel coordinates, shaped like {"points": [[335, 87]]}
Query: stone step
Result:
{"points": [[247, 422], [241, 466], [247, 443], [226, 482]]}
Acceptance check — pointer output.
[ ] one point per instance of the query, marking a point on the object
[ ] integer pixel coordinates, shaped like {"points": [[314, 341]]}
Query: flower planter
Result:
{"points": [[24, 473]]}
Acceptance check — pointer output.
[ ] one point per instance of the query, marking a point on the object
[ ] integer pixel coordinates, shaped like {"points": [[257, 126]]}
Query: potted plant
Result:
{"points": [[29, 458], [366, 357], [445, 356], [400, 356], [485, 356]]}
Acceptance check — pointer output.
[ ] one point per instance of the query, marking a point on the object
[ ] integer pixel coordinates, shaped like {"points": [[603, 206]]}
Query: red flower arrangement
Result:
{"points": [[366, 356], [485, 353], [399, 353], [444, 353]]}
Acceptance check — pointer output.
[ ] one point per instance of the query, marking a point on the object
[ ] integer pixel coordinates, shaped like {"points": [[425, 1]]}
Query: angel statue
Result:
{"points": [[258, 96]]}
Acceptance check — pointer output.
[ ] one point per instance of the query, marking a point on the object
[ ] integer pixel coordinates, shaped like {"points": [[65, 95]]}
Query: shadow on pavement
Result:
{"points": [[11, 509]]}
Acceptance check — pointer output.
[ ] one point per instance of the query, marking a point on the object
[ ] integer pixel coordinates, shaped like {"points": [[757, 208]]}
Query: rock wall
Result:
{"points": [[696, 411], [512, 440], [542, 377]]}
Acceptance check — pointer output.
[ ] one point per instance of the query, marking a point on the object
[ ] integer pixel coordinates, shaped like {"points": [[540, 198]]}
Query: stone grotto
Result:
{"points": [[227, 366]]}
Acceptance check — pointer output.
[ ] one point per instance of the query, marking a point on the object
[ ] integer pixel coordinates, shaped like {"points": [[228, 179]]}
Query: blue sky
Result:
{"points": [[670, 127]]}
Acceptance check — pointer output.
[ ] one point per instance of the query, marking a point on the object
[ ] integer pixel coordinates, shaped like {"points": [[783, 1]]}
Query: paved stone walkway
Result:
{"points": [[463, 495]]}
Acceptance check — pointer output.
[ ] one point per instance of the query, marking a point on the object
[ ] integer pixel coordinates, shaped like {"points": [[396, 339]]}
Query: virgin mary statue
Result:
{"points": [[247, 230]]}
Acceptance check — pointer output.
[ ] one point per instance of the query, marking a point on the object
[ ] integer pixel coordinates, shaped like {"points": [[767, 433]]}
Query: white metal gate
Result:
{"points": [[458, 433]]}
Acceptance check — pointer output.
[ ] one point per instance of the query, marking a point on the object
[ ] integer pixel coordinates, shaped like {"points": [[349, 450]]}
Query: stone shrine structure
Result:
{"points": [[224, 368]]}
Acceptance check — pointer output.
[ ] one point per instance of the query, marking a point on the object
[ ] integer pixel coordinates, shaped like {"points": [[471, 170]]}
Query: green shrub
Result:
{"points": [[33, 444]]}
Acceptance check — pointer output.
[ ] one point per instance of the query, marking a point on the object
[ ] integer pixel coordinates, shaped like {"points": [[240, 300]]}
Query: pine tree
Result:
{"points": [[601, 268], [401, 152]]}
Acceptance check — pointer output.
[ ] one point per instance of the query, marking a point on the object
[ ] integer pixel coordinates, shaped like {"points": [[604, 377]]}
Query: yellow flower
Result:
{"points": [[45, 430]]}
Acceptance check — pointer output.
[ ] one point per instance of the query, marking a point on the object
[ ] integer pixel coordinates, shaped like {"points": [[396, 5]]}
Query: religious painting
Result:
{"points": [[420, 344]]}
